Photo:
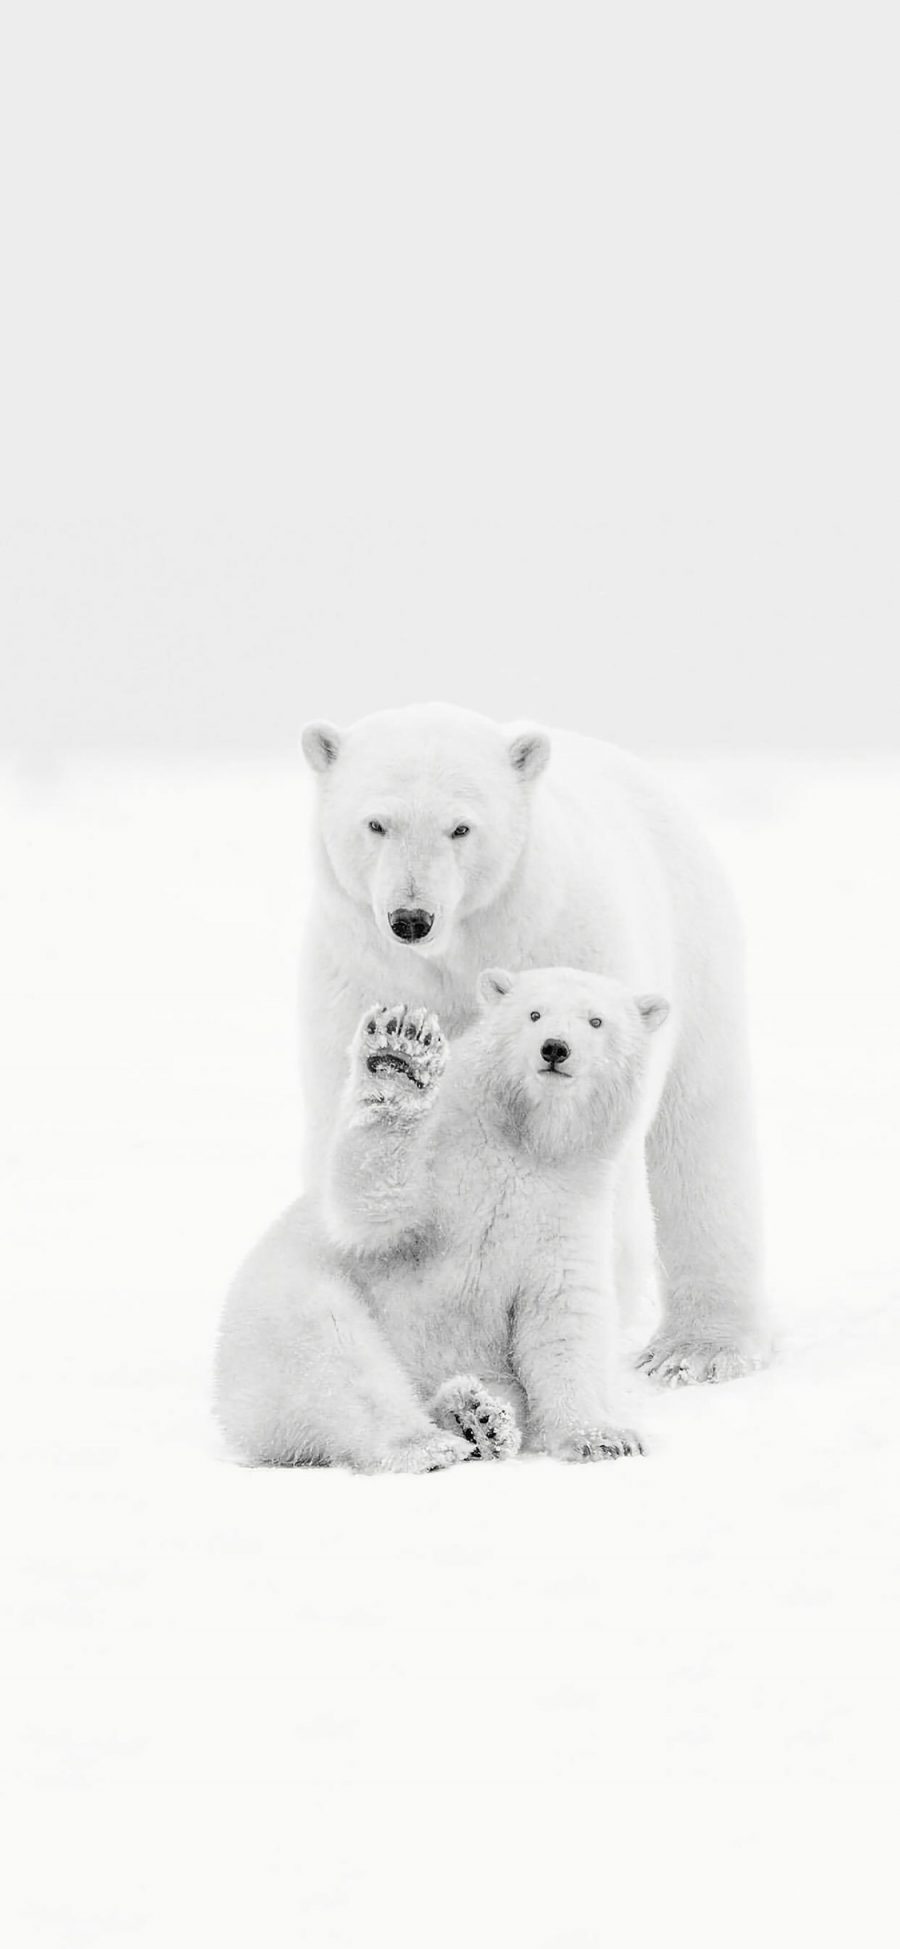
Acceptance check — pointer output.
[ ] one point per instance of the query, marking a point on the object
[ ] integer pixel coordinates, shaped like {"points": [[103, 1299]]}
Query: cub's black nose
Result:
{"points": [[553, 1051], [410, 923]]}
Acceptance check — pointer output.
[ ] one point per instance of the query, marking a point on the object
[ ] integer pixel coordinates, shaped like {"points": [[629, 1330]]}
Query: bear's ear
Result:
{"points": [[654, 1009], [320, 744], [529, 751], [493, 983]]}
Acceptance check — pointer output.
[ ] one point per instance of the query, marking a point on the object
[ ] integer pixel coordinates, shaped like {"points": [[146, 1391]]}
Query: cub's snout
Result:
{"points": [[554, 1051]]}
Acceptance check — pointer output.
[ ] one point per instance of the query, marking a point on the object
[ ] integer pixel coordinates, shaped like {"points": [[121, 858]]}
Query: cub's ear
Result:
{"points": [[320, 744], [529, 750], [493, 983], [654, 1009]]}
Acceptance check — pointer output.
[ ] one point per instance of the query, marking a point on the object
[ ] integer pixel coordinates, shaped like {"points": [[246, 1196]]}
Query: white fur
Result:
{"points": [[461, 1246], [576, 855]]}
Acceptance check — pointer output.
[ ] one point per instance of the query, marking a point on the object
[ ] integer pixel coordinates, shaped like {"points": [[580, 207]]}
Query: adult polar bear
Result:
{"points": [[446, 845]]}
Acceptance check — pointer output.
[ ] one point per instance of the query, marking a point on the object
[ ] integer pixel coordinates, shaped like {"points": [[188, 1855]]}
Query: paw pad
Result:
{"points": [[487, 1424], [404, 1044]]}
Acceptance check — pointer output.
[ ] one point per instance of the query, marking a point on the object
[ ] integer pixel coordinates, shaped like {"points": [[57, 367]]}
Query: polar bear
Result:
{"points": [[463, 1279], [445, 844]]}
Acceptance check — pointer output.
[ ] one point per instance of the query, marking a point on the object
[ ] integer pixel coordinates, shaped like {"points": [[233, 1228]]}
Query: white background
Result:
{"points": [[542, 359]]}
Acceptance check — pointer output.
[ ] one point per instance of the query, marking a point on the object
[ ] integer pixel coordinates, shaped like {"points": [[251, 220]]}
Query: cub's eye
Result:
{"points": [[596, 1021], [535, 1014], [459, 832], [375, 825]]}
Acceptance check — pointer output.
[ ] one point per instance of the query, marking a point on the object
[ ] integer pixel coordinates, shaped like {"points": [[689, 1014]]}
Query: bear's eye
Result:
{"points": [[596, 1021], [459, 832], [375, 825], [535, 1014]]}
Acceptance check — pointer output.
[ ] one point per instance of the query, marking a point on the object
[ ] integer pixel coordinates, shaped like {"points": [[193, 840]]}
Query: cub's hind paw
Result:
{"points": [[464, 1405], [402, 1046]]}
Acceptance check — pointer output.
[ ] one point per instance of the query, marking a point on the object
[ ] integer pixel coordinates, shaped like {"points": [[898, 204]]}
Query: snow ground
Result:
{"points": [[551, 1704]]}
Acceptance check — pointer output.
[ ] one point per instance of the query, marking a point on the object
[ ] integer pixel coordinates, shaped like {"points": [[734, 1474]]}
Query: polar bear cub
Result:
{"points": [[465, 1236]]}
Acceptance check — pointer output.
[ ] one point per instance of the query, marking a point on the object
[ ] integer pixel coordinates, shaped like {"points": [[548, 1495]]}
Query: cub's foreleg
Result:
{"points": [[378, 1187], [565, 1352]]}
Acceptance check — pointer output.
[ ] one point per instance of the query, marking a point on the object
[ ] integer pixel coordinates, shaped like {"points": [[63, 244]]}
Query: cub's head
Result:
{"points": [[567, 1054], [423, 814]]}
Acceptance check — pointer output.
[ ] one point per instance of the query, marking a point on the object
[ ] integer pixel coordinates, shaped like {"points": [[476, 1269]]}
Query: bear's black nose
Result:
{"points": [[410, 923], [553, 1051]]}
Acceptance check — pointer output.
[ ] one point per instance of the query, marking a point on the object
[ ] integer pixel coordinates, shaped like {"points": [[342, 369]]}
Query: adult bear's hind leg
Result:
{"points": [[702, 1159]]}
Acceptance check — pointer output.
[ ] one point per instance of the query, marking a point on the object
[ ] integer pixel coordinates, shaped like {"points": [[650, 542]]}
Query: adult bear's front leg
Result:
{"points": [[702, 1160]]}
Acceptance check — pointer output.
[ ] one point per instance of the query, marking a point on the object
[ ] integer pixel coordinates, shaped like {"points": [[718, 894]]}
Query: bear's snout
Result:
{"points": [[410, 923], [554, 1051]]}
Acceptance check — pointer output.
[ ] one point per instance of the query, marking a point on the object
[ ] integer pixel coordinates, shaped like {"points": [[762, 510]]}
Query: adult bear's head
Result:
{"points": [[424, 813]]}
